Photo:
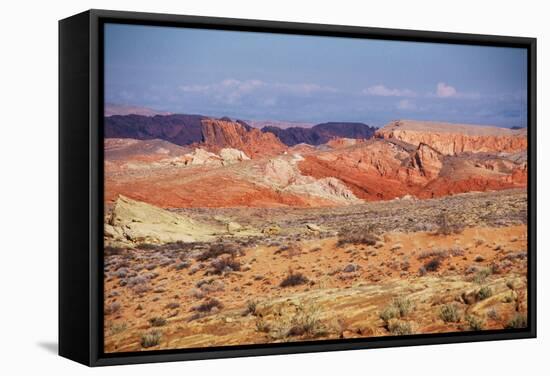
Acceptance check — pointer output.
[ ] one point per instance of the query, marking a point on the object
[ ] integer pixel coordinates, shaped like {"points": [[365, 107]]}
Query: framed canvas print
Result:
{"points": [[238, 187]]}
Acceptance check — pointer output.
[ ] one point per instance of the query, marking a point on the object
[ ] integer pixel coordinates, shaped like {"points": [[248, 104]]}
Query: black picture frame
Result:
{"points": [[81, 186]]}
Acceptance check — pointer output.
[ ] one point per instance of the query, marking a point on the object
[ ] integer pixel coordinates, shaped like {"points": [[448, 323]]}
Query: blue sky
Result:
{"points": [[312, 79]]}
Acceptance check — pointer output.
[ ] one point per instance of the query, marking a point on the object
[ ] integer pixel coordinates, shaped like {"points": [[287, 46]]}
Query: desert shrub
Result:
{"points": [[147, 246], [456, 251], [479, 258], [389, 313], [357, 236], [515, 256], [172, 305], [446, 226], [400, 328], [182, 265], [291, 250], [252, 307], [518, 321], [306, 322], [112, 308], [435, 252], [110, 250], [118, 328], [140, 289], [449, 313], [262, 326], [509, 298], [493, 314], [399, 307], [474, 322], [433, 265], [208, 306], [403, 305], [157, 321], [482, 275], [151, 338], [224, 265], [216, 250], [293, 279], [484, 293], [177, 246]]}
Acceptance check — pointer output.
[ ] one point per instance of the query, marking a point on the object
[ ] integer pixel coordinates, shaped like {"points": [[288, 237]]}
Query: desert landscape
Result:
{"points": [[220, 231]]}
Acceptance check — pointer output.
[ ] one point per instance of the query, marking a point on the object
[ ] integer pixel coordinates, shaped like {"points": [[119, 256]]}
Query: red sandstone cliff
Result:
{"points": [[218, 134], [452, 139]]}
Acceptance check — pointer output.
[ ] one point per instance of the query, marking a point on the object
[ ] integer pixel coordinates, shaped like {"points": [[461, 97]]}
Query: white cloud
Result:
{"points": [[445, 91], [406, 104], [383, 91], [231, 91]]}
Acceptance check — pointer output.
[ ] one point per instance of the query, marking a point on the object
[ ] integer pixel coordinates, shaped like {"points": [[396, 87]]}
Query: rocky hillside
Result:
{"points": [[321, 133], [196, 130], [452, 139], [386, 169]]}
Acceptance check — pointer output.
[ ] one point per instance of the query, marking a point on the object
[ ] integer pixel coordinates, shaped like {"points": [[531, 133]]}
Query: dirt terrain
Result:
{"points": [[255, 275]]}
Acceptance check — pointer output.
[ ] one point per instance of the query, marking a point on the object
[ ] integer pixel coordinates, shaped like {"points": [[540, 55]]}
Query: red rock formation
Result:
{"points": [[380, 170], [218, 134], [452, 139], [427, 161], [203, 187]]}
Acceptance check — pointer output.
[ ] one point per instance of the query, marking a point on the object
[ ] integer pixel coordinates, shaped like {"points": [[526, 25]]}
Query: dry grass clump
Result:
{"points": [[208, 306], [446, 226], [434, 252], [112, 308], [151, 338], [516, 322], [400, 328], [293, 279], [157, 321], [357, 236], [109, 250], [484, 293], [216, 250], [449, 313], [224, 265], [118, 328], [172, 305], [400, 307], [251, 308], [481, 275], [474, 322], [303, 322]]}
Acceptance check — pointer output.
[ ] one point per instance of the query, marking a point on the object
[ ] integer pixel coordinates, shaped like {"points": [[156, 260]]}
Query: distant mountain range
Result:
{"points": [[189, 129], [178, 129], [321, 133]]}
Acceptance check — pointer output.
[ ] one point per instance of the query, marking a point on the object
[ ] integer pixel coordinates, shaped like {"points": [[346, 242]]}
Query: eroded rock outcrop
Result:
{"points": [[453, 139], [220, 134], [132, 221]]}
